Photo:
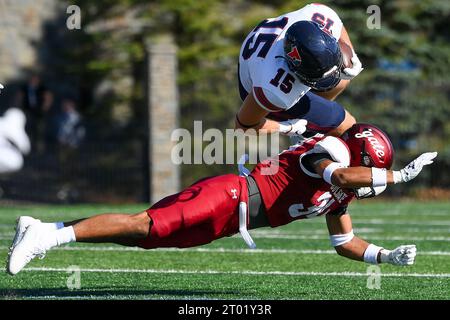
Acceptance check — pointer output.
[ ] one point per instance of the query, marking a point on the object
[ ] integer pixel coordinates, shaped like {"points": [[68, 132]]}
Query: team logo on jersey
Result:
{"points": [[294, 55]]}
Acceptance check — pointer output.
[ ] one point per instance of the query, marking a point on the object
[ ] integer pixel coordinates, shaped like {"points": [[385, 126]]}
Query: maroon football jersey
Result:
{"points": [[292, 192]]}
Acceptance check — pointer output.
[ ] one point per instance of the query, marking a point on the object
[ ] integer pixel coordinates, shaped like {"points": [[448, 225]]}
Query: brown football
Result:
{"points": [[347, 54]]}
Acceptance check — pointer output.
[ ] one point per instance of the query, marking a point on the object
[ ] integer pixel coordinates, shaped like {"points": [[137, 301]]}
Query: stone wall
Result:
{"points": [[21, 23]]}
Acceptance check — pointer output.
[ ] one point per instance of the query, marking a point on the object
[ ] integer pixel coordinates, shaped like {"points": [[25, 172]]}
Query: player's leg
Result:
{"points": [[124, 229], [206, 211], [346, 124], [199, 214], [324, 116]]}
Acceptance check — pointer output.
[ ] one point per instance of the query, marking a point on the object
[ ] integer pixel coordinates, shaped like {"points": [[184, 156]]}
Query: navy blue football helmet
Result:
{"points": [[313, 55]]}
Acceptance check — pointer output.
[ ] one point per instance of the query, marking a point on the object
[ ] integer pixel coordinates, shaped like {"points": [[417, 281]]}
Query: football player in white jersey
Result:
{"points": [[282, 61]]}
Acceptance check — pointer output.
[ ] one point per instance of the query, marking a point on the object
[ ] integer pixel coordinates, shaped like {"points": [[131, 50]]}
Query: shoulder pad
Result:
{"points": [[335, 147]]}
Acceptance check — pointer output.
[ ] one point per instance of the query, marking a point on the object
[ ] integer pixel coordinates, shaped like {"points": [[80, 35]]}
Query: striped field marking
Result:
{"points": [[435, 223], [218, 250], [313, 237], [370, 237], [244, 272]]}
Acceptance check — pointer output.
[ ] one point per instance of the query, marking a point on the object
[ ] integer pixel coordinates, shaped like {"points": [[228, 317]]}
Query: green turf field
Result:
{"points": [[292, 262]]}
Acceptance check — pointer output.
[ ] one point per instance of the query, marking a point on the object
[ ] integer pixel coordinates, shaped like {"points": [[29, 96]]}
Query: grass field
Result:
{"points": [[292, 262]]}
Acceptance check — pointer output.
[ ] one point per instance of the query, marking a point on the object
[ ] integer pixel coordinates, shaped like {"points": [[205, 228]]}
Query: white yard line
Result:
{"points": [[324, 231], [218, 250], [289, 236], [356, 221], [244, 272], [388, 213], [269, 235]]}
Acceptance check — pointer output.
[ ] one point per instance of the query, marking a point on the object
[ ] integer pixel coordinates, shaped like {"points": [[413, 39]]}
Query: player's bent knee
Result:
{"points": [[346, 124], [141, 224]]}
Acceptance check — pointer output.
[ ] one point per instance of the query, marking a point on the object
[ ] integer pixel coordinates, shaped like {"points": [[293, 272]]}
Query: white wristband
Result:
{"points": [[328, 172], [340, 239], [371, 254], [379, 177], [397, 176]]}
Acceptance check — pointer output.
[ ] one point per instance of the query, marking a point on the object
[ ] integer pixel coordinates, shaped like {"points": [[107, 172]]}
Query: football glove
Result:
{"points": [[293, 127], [400, 256], [350, 73], [413, 169], [368, 192]]}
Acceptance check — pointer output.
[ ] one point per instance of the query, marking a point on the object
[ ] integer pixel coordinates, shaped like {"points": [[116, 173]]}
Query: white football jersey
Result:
{"points": [[261, 68]]}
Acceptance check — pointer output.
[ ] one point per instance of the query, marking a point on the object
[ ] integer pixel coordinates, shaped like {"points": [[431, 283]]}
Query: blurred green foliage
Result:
{"points": [[412, 105]]}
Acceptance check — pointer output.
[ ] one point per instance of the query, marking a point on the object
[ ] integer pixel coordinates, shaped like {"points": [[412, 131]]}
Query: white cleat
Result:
{"points": [[22, 223], [29, 248]]}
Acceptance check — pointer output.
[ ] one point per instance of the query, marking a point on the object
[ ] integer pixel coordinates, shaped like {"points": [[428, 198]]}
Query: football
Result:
{"points": [[347, 53]]}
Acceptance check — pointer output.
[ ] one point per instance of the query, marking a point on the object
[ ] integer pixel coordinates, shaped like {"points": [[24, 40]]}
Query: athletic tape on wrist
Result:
{"points": [[371, 254], [379, 177], [328, 172]]}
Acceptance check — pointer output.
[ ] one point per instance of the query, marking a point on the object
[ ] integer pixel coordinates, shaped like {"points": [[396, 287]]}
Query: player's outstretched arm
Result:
{"points": [[350, 246], [355, 177]]}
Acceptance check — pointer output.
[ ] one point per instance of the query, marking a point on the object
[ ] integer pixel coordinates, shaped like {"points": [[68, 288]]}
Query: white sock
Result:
{"points": [[58, 237], [53, 226], [65, 235]]}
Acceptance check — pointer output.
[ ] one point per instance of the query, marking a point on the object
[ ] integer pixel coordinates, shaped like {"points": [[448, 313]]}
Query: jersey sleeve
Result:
{"points": [[325, 16], [268, 100]]}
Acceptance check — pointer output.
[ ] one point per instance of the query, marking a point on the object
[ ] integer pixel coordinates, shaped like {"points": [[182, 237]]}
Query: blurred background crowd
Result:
{"points": [[84, 91]]}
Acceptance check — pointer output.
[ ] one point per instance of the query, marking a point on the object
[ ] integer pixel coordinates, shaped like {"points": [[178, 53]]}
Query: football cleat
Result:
{"points": [[22, 223], [30, 247]]}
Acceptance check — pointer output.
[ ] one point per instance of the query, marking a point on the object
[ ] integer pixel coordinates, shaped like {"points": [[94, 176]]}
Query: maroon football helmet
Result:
{"points": [[369, 146]]}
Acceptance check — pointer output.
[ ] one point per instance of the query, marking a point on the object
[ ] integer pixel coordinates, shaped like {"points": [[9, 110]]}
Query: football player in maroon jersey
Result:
{"points": [[318, 177]]}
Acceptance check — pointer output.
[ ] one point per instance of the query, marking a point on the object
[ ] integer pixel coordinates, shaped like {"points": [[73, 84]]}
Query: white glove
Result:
{"points": [[400, 256], [413, 169], [1, 87], [368, 192], [350, 73], [293, 127]]}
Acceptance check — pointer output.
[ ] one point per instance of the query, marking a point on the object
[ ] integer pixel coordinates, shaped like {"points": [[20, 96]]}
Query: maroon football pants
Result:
{"points": [[203, 212]]}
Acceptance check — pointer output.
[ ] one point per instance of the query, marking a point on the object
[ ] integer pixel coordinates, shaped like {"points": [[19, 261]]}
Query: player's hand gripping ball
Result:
{"points": [[351, 64]]}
